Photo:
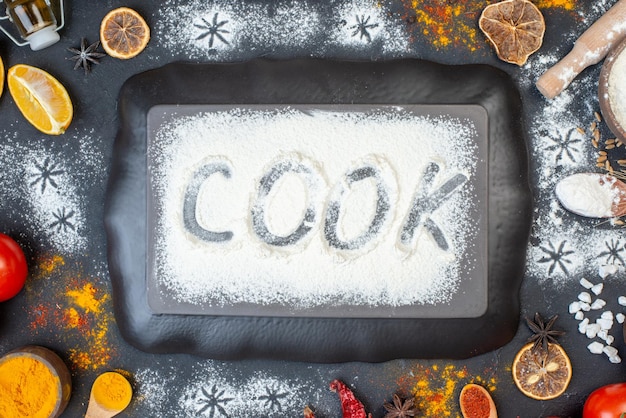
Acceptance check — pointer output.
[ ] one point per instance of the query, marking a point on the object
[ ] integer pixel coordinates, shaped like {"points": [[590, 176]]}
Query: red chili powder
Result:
{"points": [[39, 315], [475, 403]]}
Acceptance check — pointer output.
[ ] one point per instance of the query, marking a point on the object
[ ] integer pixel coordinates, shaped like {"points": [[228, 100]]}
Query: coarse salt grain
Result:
{"points": [[622, 300], [592, 330], [607, 315], [598, 304], [584, 297], [580, 315], [605, 324], [610, 351], [595, 347], [586, 283], [574, 307], [582, 326], [620, 318], [607, 270], [597, 289]]}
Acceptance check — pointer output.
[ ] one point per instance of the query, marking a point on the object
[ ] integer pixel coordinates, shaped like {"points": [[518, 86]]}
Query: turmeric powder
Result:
{"points": [[112, 391], [28, 388]]}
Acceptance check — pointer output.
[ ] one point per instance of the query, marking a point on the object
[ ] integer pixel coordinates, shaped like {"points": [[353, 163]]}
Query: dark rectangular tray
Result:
{"points": [[156, 322]]}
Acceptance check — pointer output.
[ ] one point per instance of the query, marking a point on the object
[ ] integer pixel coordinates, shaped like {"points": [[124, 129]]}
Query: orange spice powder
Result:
{"points": [[86, 298], [564, 4], [448, 23], [436, 388], [88, 315], [51, 263], [77, 309]]}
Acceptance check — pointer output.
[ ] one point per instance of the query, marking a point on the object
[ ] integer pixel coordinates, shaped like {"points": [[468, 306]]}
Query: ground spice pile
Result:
{"points": [[88, 304], [65, 303], [112, 391], [448, 23], [436, 387], [27, 388]]}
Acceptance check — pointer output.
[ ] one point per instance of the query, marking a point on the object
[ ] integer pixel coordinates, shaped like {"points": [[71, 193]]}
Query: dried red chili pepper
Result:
{"points": [[351, 407], [308, 412]]}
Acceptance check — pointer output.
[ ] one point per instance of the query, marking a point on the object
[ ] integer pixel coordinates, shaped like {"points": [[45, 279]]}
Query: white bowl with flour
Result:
{"points": [[612, 90]]}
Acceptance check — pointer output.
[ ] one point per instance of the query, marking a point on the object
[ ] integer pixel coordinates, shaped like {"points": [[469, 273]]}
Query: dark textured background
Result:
{"points": [[85, 153]]}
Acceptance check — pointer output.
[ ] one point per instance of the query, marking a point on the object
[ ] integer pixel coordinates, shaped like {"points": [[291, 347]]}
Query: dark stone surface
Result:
{"points": [[92, 134]]}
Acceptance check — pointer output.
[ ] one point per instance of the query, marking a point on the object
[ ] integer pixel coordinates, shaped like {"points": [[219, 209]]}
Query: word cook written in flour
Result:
{"points": [[424, 203]]}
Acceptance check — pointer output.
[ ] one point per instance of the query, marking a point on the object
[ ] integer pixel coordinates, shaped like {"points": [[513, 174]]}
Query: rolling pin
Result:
{"points": [[592, 46]]}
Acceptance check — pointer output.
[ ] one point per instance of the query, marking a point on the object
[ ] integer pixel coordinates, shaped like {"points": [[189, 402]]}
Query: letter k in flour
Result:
{"points": [[425, 203]]}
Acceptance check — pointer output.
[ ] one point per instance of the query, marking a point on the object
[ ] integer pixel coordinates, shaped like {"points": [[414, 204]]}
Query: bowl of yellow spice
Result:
{"points": [[34, 382]]}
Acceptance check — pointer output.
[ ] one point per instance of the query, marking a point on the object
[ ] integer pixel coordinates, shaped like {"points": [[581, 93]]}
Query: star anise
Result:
{"points": [[86, 55], [400, 408], [543, 334]]}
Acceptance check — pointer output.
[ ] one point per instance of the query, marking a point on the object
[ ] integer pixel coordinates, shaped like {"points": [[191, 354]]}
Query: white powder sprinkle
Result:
{"points": [[223, 30], [327, 145], [52, 177], [212, 389], [56, 204], [153, 390]]}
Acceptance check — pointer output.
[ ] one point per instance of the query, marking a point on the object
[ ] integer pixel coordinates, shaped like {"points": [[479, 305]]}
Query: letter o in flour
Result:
{"points": [[311, 178], [381, 214]]}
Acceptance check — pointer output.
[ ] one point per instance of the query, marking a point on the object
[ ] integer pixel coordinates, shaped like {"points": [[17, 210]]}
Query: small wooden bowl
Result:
{"points": [[603, 92], [56, 366]]}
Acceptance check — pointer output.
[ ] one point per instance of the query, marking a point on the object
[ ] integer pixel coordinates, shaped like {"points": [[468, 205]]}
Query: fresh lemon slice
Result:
{"points": [[124, 33], [542, 374], [41, 98]]}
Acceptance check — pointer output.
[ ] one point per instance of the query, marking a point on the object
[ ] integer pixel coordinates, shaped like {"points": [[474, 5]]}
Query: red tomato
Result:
{"points": [[606, 402], [13, 269]]}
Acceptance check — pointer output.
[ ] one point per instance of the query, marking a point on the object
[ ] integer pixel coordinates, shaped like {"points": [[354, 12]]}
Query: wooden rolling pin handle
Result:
{"points": [[592, 46]]}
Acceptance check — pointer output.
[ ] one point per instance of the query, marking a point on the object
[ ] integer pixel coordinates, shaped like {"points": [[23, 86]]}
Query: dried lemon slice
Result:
{"points": [[515, 28], [542, 374], [124, 33], [41, 98]]}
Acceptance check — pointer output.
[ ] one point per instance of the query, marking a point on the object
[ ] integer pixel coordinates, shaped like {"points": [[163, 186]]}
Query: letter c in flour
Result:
{"points": [[191, 199]]}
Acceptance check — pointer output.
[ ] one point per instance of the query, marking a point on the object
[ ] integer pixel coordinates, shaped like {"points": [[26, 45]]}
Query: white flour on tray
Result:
{"points": [[356, 256]]}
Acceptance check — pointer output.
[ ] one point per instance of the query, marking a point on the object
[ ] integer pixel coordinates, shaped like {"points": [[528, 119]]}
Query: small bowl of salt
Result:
{"points": [[612, 91]]}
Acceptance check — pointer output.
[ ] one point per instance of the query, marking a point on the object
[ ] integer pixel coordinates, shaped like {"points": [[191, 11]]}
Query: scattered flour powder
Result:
{"points": [[49, 181], [224, 30], [340, 185], [214, 389]]}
